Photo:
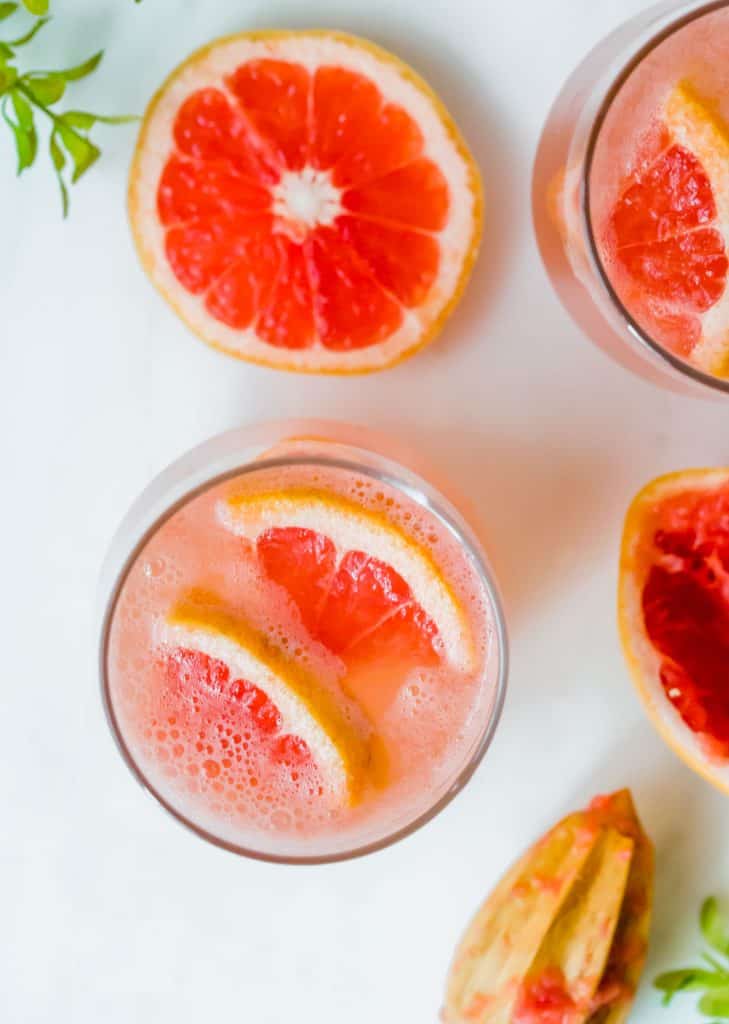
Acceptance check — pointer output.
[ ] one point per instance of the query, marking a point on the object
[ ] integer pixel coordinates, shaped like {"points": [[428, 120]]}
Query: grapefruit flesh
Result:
{"points": [[362, 587], [356, 606], [304, 201], [675, 580], [546, 1000], [204, 682], [669, 231], [219, 671]]}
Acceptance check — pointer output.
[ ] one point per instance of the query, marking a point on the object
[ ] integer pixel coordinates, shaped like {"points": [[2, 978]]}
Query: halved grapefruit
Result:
{"points": [[363, 587], [304, 200], [211, 654], [674, 612], [669, 232]]}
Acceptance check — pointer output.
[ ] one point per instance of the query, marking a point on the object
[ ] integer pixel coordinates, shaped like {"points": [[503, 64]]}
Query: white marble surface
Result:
{"points": [[110, 911]]}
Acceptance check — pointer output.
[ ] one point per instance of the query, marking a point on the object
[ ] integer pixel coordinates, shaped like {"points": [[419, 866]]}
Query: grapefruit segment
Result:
{"points": [[364, 587], [350, 305], [405, 262], [674, 612], [416, 195], [209, 130], [670, 232], [354, 133], [274, 98], [363, 201], [286, 319], [188, 192], [210, 653]]}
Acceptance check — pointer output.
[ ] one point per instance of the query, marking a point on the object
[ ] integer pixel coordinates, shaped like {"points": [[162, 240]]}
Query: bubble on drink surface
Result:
{"points": [[154, 568]]}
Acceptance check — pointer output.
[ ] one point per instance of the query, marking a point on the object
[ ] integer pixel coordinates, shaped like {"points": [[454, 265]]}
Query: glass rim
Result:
{"points": [[473, 550], [611, 92]]}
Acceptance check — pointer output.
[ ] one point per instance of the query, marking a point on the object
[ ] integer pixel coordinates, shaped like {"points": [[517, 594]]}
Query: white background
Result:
{"points": [[109, 910]]}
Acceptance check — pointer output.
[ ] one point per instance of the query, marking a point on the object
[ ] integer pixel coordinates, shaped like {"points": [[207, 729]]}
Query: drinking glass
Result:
{"points": [[243, 455], [566, 184]]}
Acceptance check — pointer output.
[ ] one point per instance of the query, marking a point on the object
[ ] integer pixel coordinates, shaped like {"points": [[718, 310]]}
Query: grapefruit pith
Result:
{"points": [[669, 233], [303, 200], [674, 612], [286, 717]]}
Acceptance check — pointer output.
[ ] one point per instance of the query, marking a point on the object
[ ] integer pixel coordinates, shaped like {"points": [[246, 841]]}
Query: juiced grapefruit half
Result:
{"points": [[304, 200], [669, 232], [364, 588], [211, 655], [674, 612]]}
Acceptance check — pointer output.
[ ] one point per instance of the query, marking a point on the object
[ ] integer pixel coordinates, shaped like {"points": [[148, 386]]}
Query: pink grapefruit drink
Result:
{"points": [[303, 655], [631, 195]]}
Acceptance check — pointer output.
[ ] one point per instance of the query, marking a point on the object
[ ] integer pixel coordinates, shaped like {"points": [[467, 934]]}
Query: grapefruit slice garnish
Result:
{"points": [[670, 232], [303, 200], [674, 612], [363, 587], [213, 653]]}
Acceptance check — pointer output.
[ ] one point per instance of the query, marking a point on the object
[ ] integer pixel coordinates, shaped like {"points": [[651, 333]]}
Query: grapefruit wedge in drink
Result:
{"points": [[302, 659], [364, 588], [674, 612], [303, 200], [667, 238], [285, 718]]}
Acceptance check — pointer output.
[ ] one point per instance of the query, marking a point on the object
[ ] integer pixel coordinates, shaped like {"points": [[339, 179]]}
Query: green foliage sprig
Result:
{"points": [[23, 94], [712, 978]]}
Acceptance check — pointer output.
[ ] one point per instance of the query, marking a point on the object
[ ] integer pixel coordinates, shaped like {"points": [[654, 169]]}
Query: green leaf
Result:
{"points": [[37, 7], [8, 77], [26, 140], [82, 70], [6, 10], [116, 118], [5, 52], [57, 155], [46, 87], [22, 40], [59, 162], [690, 979], [83, 120], [715, 926], [715, 1004], [82, 152], [78, 119], [23, 110]]}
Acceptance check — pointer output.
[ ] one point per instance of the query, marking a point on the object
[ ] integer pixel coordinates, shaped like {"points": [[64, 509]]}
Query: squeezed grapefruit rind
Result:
{"points": [[149, 160], [353, 527], [642, 658], [200, 621], [529, 906]]}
